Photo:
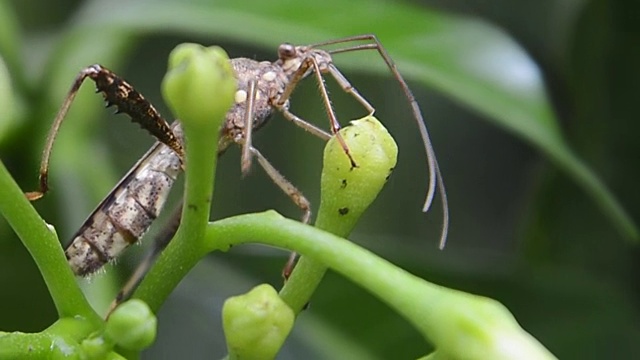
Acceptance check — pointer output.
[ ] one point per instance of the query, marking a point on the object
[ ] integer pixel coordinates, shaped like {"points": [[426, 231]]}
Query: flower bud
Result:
{"points": [[200, 83], [256, 324], [346, 190], [132, 325]]}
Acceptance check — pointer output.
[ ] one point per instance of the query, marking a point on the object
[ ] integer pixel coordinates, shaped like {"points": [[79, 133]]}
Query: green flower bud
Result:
{"points": [[346, 190], [96, 347], [256, 324], [132, 325], [476, 327], [200, 83]]}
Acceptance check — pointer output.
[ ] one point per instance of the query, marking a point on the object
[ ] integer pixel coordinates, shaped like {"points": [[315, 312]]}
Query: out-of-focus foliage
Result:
{"points": [[531, 227]]}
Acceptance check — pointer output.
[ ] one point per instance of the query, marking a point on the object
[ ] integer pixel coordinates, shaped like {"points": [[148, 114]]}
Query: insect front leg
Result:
{"points": [[309, 63], [314, 130], [245, 159], [350, 89], [249, 152]]}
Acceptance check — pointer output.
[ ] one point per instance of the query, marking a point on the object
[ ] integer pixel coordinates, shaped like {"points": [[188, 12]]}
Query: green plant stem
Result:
{"points": [[13, 345], [185, 250], [59, 338], [194, 74], [452, 320], [44, 247], [347, 192], [308, 274], [302, 283], [352, 261]]}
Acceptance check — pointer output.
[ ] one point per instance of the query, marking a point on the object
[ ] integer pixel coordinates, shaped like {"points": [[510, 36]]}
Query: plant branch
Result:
{"points": [[194, 74], [452, 320], [42, 243]]}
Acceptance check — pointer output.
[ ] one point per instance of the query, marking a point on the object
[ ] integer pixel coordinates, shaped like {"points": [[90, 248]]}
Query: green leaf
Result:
{"points": [[9, 103], [10, 40], [470, 61]]}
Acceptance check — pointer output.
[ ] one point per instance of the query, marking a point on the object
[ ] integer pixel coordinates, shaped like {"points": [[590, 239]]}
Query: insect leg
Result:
{"points": [[292, 192], [248, 128], [314, 130], [285, 185], [310, 63], [349, 89], [118, 92], [245, 159]]}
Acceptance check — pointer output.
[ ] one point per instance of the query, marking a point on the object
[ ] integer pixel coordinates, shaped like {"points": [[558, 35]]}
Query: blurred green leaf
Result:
{"points": [[9, 39], [9, 103]]}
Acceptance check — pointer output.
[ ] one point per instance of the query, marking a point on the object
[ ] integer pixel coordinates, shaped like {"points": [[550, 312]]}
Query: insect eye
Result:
{"points": [[286, 51]]}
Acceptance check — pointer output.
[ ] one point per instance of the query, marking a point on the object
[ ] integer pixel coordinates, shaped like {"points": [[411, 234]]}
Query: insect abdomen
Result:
{"points": [[126, 215]]}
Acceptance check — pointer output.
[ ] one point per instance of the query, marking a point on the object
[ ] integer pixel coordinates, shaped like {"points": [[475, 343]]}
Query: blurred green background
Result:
{"points": [[518, 96]]}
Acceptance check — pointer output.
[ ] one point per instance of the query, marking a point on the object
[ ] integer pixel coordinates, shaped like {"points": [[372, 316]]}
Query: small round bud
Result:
{"points": [[256, 324], [96, 347], [200, 83], [132, 325], [476, 327]]}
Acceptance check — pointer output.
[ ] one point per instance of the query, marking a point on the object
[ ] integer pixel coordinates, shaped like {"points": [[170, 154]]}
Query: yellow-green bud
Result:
{"points": [[346, 190], [256, 324], [132, 325], [200, 83], [96, 347]]}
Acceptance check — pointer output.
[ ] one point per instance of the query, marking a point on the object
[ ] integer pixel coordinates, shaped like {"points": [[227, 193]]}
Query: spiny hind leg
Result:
{"points": [[117, 92]]}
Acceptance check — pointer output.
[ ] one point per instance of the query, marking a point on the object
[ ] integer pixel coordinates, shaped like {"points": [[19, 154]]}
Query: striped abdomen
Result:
{"points": [[126, 214]]}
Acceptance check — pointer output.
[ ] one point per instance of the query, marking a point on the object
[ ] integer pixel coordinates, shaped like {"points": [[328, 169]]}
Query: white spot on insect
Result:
{"points": [[269, 76], [241, 96]]}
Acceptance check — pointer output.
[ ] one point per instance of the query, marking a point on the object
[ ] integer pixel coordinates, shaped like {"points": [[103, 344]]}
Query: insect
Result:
{"points": [[264, 88]]}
